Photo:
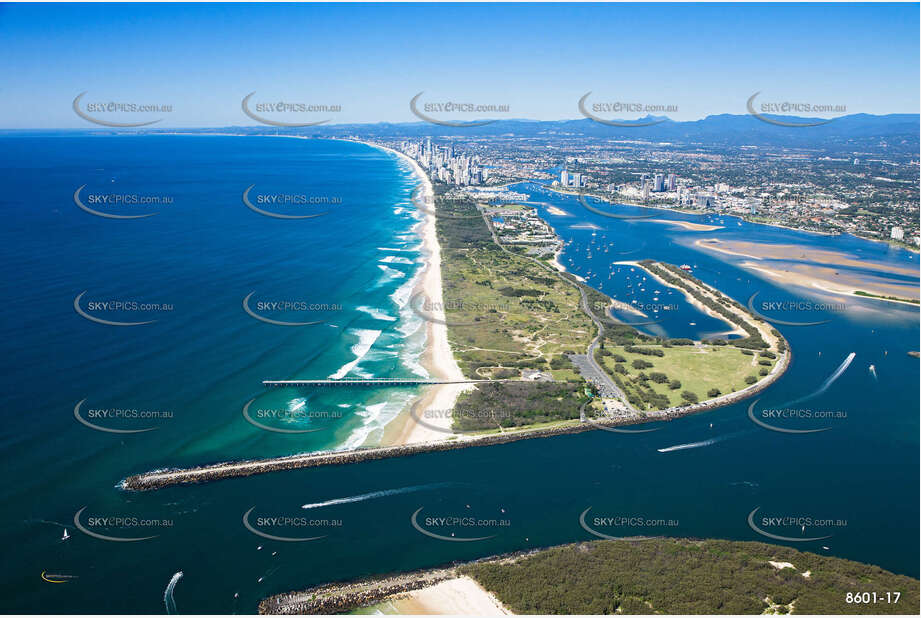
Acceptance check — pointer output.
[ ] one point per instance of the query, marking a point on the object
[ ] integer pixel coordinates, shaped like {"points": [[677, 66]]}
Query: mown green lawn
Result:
{"points": [[698, 368]]}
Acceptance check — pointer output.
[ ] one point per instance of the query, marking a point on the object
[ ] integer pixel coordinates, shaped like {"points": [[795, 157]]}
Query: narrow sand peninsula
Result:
{"points": [[694, 227], [734, 330], [438, 359], [453, 597]]}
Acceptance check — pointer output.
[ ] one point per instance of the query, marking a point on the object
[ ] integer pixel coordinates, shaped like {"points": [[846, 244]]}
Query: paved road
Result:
{"points": [[607, 384], [586, 364]]}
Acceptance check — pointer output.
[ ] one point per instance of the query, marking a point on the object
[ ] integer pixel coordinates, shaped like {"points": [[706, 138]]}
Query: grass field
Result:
{"points": [[505, 312], [698, 368]]}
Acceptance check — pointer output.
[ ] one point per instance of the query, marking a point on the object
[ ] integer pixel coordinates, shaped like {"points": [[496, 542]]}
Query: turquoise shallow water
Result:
{"points": [[205, 358]]}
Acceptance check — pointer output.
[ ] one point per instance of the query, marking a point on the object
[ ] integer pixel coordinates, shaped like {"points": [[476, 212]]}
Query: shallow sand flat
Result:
{"points": [[833, 281], [458, 597], [760, 251], [694, 227], [553, 210]]}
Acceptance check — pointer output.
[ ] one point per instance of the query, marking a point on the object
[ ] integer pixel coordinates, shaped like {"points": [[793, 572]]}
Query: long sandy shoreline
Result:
{"points": [[437, 358]]}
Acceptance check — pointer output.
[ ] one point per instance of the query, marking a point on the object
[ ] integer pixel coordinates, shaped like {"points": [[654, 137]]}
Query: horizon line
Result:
{"points": [[490, 120]]}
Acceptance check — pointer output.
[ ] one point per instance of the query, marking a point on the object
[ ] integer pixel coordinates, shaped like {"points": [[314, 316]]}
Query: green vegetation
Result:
{"points": [[653, 382], [681, 279], [913, 301], [684, 576], [505, 312], [514, 404]]}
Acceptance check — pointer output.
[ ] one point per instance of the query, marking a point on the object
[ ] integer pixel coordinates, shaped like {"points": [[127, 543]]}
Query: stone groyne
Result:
{"points": [[341, 598], [202, 474]]}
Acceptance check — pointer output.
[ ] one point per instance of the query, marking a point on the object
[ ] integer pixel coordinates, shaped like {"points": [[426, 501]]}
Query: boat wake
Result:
{"points": [[708, 442], [168, 599], [376, 494], [828, 381]]}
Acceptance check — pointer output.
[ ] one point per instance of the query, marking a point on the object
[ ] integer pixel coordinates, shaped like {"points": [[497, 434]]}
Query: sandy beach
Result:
{"points": [[438, 359], [453, 597], [687, 225], [733, 329]]}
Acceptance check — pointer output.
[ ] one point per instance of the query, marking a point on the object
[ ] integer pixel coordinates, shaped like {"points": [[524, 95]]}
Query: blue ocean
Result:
{"points": [[348, 274]]}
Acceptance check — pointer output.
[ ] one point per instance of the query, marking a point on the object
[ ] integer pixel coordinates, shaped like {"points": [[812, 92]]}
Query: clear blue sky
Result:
{"points": [[371, 59]]}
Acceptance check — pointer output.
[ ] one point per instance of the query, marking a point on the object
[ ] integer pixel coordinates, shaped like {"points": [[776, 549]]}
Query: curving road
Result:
{"points": [[588, 367]]}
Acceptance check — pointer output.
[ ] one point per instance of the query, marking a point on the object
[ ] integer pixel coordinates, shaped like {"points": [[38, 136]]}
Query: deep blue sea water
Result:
{"points": [[205, 357]]}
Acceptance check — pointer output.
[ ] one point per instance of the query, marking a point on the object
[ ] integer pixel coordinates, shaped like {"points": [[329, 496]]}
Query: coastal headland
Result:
{"points": [[446, 442], [538, 323]]}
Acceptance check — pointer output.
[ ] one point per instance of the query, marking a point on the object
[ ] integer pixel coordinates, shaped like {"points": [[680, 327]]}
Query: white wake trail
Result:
{"points": [[375, 494], [681, 447], [168, 599], [828, 381], [708, 442]]}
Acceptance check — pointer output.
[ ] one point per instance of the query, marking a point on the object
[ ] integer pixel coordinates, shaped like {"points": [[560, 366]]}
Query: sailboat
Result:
{"points": [[65, 536]]}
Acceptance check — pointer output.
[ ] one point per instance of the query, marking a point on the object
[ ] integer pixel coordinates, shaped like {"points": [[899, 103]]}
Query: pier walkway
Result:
{"points": [[376, 382]]}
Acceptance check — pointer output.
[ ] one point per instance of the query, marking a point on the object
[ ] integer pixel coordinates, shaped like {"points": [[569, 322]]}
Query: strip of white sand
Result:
{"points": [[455, 597], [438, 359]]}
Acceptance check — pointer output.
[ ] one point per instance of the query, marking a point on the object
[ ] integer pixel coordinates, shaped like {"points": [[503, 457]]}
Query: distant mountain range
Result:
{"points": [[898, 131], [890, 133]]}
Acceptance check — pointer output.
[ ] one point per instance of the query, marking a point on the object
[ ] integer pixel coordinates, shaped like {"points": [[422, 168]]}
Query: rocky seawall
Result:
{"points": [[341, 598], [202, 474]]}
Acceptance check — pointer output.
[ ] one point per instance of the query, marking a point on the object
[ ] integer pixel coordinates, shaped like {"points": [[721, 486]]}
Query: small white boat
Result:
{"points": [[65, 536]]}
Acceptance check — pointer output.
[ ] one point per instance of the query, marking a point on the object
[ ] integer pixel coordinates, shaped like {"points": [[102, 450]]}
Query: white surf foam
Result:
{"points": [[366, 339], [395, 259], [390, 274], [377, 314]]}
